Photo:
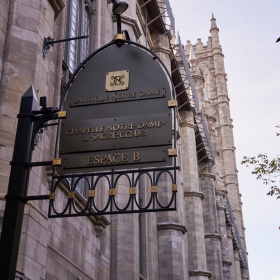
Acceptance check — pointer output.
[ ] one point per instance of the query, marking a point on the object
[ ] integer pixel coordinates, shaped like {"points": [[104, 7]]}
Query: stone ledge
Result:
{"points": [[100, 223], [229, 174], [228, 149], [69, 261], [142, 277], [223, 208], [57, 5], [220, 193], [197, 194], [191, 125], [131, 22], [226, 262], [161, 49], [200, 273], [213, 235], [32, 205], [170, 225], [209, 175]]}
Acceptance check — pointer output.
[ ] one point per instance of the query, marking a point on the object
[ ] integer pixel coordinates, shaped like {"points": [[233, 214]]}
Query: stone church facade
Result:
{"points": [[203, 239]]}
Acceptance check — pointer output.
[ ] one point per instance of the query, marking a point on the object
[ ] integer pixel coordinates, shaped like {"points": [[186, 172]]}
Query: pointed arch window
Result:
{"points": [[79, 19]]}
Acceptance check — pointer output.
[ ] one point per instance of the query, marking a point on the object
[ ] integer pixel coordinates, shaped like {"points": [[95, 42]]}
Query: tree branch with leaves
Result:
{"points": [[266, 170]]}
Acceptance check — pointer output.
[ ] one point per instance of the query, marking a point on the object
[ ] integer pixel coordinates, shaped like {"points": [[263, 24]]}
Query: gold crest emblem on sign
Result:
{"points": [[117, 80]]}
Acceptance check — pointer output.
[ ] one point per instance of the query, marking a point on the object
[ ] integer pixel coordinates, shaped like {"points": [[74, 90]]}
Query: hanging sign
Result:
{"points": [[117, 114]]}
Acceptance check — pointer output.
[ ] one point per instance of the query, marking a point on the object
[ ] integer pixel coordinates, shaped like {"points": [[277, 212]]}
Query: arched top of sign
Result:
{"points": [[119, 112], [139, 49]]}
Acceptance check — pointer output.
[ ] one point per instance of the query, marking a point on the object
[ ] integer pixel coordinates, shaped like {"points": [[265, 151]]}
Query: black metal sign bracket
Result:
{"points": [[49, 42]]}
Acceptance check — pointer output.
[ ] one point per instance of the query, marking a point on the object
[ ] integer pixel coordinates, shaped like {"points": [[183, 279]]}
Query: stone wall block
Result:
{"points": [[29, 11]]}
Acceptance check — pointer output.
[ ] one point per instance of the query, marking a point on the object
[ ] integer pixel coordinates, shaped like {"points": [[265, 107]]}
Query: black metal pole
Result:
{"points": [[119, 24], [18, 183], [46, 42]]}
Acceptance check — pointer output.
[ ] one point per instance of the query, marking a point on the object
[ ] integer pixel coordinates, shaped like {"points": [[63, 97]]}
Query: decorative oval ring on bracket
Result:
{"points": [[55, 190], [141, 194], [170, 190], [122, 189], [84, 181], [101, 192]]}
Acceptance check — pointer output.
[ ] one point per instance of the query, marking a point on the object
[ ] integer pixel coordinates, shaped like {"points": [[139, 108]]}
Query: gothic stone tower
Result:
{"points": [[207, 67]]}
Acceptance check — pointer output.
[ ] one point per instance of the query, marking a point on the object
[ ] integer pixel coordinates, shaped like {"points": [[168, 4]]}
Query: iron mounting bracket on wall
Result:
{"points": [[49, 42]]}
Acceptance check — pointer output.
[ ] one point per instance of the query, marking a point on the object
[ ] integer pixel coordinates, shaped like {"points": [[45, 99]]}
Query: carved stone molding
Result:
{"points": [[200, 273], [170, 225], [221, 208], [197, 194], [57, 5], [74, 265], [213, 235], [226, 124], [228, 149], [100, 223], [162, 49], [230, 236], [209, 175], [221, 193], [191, 125], [131, 22], [226, 263], [230, 174]]}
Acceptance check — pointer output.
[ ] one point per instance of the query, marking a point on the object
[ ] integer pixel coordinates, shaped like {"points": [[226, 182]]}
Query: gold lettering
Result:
{"points": [[114, 158], [67, 132], [128, 134], [116, 127], [110, 136], [102, 158], [96, 160], [137, 133], [109, 159], [124, 158], [90, 160], [136, 156]]}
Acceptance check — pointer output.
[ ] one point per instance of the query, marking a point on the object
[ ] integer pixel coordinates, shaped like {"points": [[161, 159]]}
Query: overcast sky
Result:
{"points": [[248, 31]]}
